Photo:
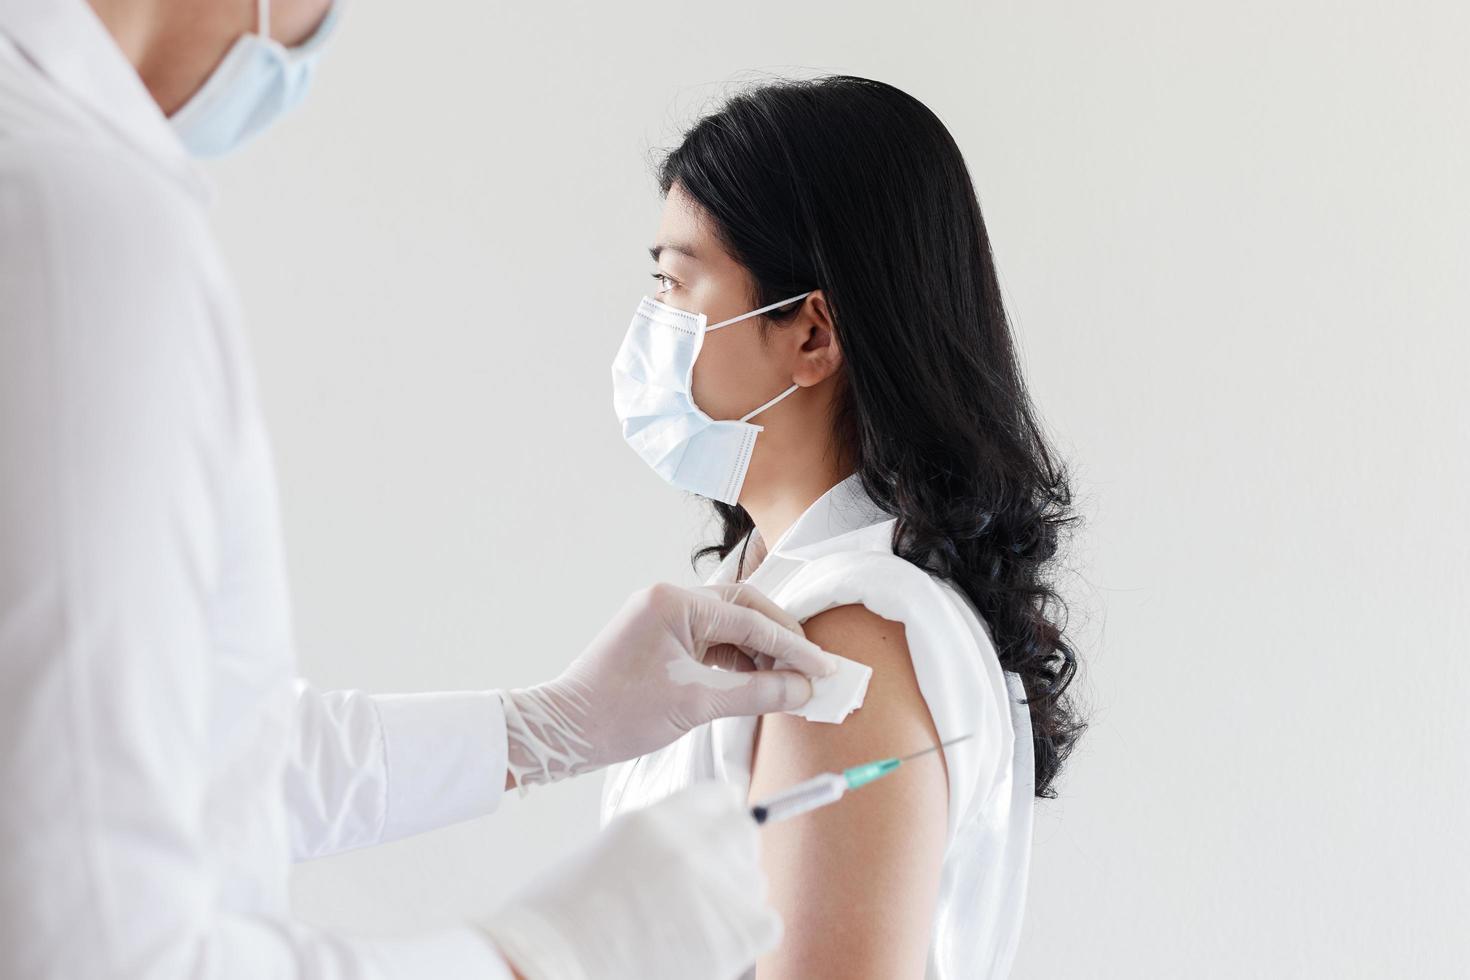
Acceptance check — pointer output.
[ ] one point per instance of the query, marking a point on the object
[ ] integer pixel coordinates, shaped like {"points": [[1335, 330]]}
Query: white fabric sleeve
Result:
{"points": [[368, 769], [109, 535], [954, 660]]}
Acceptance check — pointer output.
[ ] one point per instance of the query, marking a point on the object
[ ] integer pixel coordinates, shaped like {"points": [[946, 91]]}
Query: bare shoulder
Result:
{"points": [[865, 635], [894, 718], [856, 882]]}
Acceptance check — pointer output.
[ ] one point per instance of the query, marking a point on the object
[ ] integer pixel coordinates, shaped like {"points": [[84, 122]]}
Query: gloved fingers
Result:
{"points": [[767, 931], [741, 892], [733, 880], [721, 841], [710, 692], [718, 621], [743, 594], [759, 692], [716, 818], [727, 656], [685, 872], [718, 806]]}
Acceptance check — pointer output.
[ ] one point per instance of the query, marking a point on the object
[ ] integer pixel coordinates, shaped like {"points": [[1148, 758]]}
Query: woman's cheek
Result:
{"points": [[701, 387]]}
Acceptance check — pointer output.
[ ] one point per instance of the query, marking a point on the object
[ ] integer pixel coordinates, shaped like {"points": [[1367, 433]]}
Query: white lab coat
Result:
{"points": [[159, 765]]}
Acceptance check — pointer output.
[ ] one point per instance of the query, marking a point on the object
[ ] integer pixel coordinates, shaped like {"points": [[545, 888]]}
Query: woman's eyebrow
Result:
{"points": [[661, 247]]}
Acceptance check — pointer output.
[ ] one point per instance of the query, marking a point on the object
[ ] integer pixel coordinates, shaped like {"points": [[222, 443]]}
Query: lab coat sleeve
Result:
{"points": [[108, 534], [369, 769]]}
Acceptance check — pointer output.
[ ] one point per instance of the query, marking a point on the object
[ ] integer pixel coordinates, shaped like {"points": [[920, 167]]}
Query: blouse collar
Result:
{"points": [[844, 518]]}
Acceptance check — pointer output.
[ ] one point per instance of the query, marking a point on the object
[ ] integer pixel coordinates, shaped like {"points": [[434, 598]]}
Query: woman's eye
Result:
{"points": [[667, 283]]}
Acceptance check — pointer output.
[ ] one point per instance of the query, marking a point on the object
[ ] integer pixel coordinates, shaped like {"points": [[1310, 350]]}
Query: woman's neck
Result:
{"points": [[774, 504], [795, 462]]}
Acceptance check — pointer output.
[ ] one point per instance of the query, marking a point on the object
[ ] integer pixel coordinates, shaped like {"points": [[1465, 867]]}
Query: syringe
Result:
{"points": [[829, 786]]}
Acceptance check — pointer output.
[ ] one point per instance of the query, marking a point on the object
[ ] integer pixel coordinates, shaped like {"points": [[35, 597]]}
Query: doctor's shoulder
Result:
{"points": [[89, 226], [74, 190], [64, 190]]}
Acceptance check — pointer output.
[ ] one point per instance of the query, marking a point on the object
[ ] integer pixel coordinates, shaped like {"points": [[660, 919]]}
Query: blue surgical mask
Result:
{"points": [[653, 377], [257, 83]]}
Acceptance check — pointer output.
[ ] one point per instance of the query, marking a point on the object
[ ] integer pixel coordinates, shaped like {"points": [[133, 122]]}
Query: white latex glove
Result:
{"points": [[672, 659], [669, 892]]}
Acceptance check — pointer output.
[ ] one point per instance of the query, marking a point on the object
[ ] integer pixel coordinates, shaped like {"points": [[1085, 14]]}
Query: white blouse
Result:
{"points": [[839, 552]]}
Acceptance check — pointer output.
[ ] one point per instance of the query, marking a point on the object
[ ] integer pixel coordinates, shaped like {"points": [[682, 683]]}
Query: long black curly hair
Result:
{"points": [[854, 187]]}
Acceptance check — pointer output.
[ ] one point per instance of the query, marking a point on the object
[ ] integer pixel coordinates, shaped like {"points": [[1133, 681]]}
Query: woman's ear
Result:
{"points": [[819, 356]]}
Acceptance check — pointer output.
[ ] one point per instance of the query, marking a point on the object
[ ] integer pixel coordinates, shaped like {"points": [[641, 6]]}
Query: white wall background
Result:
{"points": [[1234, 239]]}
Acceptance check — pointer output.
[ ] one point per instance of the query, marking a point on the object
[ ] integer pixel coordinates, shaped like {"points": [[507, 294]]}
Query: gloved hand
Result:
{"points": [[669, 892], [672, 659]]}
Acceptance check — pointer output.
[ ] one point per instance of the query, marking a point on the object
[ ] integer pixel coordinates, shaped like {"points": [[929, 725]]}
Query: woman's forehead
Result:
{"points": [[685, 226], [686, 233]]}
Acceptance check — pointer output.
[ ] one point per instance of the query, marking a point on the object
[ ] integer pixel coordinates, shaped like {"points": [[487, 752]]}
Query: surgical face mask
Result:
{"points": [[653, 375], [256, 84]]}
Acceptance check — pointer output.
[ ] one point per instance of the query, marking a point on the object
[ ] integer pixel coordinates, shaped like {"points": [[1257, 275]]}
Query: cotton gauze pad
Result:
{"points": [[838, 695]]}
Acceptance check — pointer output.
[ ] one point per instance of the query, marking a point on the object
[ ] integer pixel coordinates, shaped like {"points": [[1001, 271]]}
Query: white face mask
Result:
{"points": [[258, 82], [653, 375]]}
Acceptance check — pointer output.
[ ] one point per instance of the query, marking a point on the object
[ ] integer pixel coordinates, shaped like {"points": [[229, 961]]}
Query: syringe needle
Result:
{"points": [[934, 748]]}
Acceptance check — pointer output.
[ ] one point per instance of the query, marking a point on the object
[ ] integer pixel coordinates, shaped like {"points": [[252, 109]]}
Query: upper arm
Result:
{"points": [[856, 883]]}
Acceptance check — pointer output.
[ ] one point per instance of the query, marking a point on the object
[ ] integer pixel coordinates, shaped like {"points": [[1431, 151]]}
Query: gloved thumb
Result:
{"points": [[762, 692]]}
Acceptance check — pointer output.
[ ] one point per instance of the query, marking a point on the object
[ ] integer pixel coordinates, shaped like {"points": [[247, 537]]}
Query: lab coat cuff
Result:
{"points": [[445, 758]]}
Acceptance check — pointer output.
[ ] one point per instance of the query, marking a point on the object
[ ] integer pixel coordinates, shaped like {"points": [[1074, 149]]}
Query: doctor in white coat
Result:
{"points": [[159, 764]]}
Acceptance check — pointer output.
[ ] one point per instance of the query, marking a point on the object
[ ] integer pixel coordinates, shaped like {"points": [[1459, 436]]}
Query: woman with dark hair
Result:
{"points": [[823, 267]]}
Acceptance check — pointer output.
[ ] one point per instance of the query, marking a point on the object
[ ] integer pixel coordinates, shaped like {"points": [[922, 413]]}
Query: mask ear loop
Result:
{"points": [[750, 415], [263, 18], [763, 309], [745, 316]]}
